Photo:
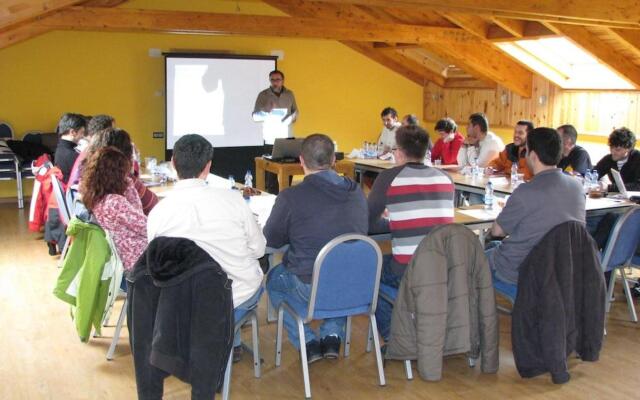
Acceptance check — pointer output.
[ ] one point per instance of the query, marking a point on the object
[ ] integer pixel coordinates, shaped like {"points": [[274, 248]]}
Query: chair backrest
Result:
{"points": [[346, 278], [58, 192], [623, 241], [6, 132]]}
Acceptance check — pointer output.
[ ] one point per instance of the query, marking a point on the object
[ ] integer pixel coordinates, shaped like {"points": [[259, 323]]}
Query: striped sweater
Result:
{"points": [[417, 198]]}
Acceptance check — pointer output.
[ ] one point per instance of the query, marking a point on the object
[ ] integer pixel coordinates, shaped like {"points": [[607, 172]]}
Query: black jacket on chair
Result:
{"points": [[560, 303], [180, 318]]}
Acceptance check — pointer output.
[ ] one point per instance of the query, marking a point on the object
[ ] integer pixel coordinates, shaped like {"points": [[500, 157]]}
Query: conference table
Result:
{"points": [[285, 171]]}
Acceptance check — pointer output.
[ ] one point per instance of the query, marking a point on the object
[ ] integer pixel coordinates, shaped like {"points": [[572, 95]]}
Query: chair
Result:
{"points": [[249, 315], [506, 290], [6, 131], [619, 252], [345, 281], [63, 211], [118, 276]]}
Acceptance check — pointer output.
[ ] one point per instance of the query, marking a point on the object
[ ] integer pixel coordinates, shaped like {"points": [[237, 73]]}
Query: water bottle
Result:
{"points": [[427, 158], [232, 182], [588, 179], [248, 179], [514, 174], [594, 176], [488, 195]]}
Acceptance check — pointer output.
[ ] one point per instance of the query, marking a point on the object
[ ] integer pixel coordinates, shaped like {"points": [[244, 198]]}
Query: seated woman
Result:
{"points": [[121, 140], [108, 192], [447, 147]]}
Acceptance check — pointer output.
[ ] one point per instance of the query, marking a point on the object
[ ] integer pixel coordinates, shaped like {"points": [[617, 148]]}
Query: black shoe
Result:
{"points": [[52, 249], [635, 290], [314, 351], [331, 347], [237, 354]]}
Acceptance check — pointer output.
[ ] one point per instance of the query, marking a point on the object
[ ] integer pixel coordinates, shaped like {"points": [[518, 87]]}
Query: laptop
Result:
{"points": [[286, 150], [620, 185]]}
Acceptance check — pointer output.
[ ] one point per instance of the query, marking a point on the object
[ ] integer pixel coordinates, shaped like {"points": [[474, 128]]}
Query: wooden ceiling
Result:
{"points": [[447, 43]]}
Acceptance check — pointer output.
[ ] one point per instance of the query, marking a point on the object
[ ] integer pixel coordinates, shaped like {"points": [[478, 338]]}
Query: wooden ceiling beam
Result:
{"points": [[602, 51], [466, 83], [622, 12], [629, 38], [13, 12], [121, 19], [532, 30], [515, 27], [470, 23]]}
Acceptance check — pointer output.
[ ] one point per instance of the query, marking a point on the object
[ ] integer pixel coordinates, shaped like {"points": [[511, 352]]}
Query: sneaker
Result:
{"points": [[331, 347], [314, 351], [237, 354], [635, 290], [53, 250]]}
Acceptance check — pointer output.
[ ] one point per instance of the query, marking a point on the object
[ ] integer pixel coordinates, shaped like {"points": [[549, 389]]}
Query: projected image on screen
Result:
{"points": [[214, 97]]}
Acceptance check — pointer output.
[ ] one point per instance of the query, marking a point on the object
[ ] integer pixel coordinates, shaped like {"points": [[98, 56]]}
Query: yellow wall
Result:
{"points": [[339, 91]]}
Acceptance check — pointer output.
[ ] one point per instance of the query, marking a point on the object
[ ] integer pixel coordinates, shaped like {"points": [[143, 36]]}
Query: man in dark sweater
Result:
{"points": [[574, 158], [71, 129], [306, 217], [624, 158]]}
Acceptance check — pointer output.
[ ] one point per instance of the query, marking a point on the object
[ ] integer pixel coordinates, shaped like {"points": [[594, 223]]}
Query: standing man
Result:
{"points": [[481, 146], [574, 158], [306, 217], [515, 152], [535, 207], [276, 107], [388, 135]]}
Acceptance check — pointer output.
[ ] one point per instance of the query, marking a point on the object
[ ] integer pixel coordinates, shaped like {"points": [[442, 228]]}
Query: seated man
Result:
{"points": [[71, 129], [390, 125], [408, 201], [624, 158], [306, 217], [217, 220], [481, 146], [515, 152], [575, 159], [535, 207]]}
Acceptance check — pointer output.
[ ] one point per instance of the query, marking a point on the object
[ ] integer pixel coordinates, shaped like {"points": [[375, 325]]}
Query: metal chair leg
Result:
{"points": [[407, 370], [303, 358], [376, 343], [64, 250], [116, 334], [279, 336], [369, 340], [227, 377], [612, 283], [347, 337], [256, 345], [627, 293]]}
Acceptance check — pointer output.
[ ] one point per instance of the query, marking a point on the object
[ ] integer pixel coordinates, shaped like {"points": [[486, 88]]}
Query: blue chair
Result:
{"points": [[508, 291], [619, 252], [345, 282], [249, 315]]}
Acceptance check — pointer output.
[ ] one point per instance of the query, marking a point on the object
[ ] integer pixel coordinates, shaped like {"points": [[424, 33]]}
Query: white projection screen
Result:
{"points": [[213, 95]]}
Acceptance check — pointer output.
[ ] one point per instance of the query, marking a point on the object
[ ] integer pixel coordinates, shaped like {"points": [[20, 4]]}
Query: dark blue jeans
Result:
{"points": [[384, 308]]}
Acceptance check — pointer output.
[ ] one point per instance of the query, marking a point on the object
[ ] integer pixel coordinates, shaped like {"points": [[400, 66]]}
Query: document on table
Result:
{"points": [[261, 207], [482, 213]]}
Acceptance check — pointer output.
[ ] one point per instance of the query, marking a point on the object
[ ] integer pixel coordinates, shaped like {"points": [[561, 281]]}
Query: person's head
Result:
{"points": [[477, 128], [520, 132], [412, 143], [389, 117], [117, 138], [276, 78], [410, 119], [569, 136], [192, 156], [72, 127], [317, 154], [445, 127], [100, 123], [544, 149], [104, 173], [621, 142]]}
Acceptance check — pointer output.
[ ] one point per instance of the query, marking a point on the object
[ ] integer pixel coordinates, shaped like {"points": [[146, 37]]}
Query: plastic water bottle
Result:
{"points": [[594, 176], [488, 195], [588, 179], [232, 182], [514, 174], [427, 158], [248, 179]]}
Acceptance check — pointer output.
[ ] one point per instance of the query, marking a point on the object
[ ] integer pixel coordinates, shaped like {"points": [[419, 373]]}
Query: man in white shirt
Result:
{"points": [[481, 146], [217, 220], [388, 135]]}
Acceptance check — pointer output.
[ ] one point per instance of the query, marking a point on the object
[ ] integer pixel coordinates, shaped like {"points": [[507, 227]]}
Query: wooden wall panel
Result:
{"points": [[592, 112]]}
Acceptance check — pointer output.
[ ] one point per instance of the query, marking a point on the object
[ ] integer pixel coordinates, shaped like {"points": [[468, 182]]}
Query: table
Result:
{"points": [[286, 170]]}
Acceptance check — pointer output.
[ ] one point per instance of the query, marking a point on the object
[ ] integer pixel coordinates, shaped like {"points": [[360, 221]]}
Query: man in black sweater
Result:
{"points": [[624, 158], [574, 158], [71, 129], [306, 217]]}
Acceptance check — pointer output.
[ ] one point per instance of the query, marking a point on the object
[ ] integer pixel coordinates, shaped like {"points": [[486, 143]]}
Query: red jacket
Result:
{"points": [[447, 152], [42, 197]]}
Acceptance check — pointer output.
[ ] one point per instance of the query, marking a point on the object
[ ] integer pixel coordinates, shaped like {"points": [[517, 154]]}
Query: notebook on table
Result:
{"points": [[620, 185]]}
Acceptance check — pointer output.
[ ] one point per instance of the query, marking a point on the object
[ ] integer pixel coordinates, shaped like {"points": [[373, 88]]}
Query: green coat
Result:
{"points": [[83, 281]]}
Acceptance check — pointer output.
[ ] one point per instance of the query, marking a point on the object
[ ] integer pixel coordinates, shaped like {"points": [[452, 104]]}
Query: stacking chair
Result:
{"points": [[63, 211], [249, 315], [345, 281], [619, 252], [508, 291], [118, 276]]}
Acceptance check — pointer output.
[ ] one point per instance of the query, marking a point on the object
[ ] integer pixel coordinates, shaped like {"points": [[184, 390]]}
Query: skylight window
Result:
{"points": [[565, 64]]}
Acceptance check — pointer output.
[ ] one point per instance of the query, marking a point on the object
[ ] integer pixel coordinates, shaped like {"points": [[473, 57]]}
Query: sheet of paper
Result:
{"points": [[482, 214], [218, 182], [261, 206]]}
